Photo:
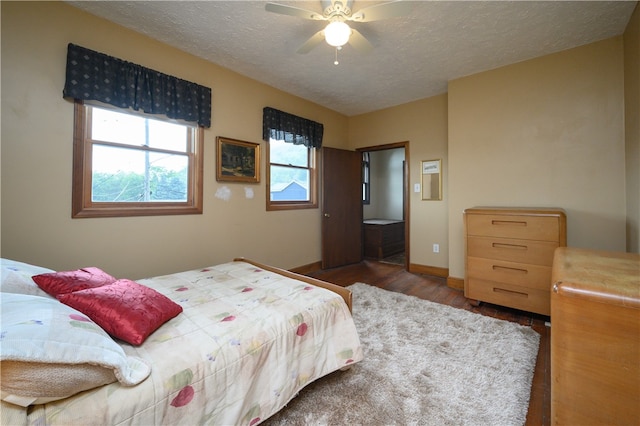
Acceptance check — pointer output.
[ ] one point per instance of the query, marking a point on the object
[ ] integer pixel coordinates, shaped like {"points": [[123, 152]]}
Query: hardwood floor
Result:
{"points": [[396, 278]]}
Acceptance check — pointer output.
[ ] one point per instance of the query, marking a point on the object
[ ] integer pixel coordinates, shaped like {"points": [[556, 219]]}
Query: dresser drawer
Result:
{"points": [[523, 251], [525, 299], [541, 228], [520, 274]]}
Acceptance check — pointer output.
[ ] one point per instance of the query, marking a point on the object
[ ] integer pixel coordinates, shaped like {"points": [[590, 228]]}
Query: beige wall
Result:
{"points": [[424, 124], [560, 130], [37, 146], [547, 132], [632, 128]]}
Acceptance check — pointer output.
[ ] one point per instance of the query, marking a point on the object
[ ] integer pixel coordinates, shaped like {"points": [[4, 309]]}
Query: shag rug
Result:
{"points": [[424, 364]]}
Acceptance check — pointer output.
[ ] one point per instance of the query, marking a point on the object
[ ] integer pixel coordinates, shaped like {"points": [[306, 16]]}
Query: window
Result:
{"points": [[366, 178], [291, 159], [132, 164], [291, 176]]}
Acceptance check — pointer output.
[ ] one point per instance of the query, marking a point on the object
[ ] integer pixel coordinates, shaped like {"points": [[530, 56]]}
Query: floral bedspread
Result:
{"points": [[247, 342]]}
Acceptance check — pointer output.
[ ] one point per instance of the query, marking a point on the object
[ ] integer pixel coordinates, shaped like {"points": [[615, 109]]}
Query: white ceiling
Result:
{"points": [[413, 57]]}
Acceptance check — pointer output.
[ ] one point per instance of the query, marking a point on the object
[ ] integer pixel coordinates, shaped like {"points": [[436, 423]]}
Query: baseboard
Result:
{"points": [[429, 270], [457, 283], [307, 269]]}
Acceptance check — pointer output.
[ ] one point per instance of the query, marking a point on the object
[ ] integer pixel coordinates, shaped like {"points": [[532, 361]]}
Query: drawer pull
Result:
{"points": [[509, 222], [506, 268], [509, 246], [510, 292]]}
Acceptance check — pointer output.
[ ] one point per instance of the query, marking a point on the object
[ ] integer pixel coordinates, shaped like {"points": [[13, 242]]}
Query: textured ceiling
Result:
{"points": [[413, 57]]}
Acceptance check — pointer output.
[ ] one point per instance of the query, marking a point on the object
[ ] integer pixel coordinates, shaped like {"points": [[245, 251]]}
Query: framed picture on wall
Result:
{"points": [[237, 161]]}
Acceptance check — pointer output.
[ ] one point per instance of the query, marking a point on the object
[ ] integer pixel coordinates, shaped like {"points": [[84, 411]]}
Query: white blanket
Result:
{"points": [[247, 342]]}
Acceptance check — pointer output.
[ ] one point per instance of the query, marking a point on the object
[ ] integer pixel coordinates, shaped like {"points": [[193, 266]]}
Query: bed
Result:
{"points": [[247, 338]]}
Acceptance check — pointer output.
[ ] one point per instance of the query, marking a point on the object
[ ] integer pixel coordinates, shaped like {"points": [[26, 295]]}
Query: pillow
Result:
{"points": [[125, 309], [15, 277], [56, 283], [49, 351]]}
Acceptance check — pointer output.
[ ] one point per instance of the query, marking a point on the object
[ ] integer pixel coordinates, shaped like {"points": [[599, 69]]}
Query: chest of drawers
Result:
{"points": [[595, 338], [509, 254], [383, 238]]}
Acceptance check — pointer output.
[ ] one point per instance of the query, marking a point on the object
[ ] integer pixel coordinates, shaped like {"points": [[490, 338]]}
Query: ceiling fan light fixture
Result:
{"points": [[337, 33]]}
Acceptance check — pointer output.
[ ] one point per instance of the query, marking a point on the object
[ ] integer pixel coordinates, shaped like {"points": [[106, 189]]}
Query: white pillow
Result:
{"points": [[50, 351], [15, 277]]}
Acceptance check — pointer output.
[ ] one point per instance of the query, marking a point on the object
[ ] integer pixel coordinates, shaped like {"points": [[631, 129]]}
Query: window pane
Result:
{"points": [[129, 175], [287, 153], [112, 126], [289, 184], [164, 135]]}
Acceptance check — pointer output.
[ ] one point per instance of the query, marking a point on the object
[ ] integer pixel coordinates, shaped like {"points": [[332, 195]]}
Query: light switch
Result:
{"points": [[416, 187]]}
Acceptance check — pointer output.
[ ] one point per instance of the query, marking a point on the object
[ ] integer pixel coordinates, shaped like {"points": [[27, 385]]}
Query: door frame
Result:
{"points": [[405, 191]]}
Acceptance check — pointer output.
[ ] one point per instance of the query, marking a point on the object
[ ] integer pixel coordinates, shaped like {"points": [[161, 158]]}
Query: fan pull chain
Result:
{"points": [[336, 61]]}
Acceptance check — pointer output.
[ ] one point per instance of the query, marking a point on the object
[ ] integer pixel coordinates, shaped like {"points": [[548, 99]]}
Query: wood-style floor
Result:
{"points": [[396, 278]]}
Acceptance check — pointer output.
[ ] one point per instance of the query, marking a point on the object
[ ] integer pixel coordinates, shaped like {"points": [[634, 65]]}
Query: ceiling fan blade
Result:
{"points": [[382, 11], [313, 41], [359, 42], [294, 11]]}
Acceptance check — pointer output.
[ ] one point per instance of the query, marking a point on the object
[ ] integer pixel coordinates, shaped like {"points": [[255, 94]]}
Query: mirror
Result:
{"points": [[432, 180]]}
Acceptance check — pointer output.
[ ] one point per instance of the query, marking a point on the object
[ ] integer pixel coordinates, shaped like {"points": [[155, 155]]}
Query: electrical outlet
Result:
{"points": [[436, 248]]}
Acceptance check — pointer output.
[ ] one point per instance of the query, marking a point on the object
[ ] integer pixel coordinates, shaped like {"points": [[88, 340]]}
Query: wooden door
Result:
{"points": [[341, 207]]}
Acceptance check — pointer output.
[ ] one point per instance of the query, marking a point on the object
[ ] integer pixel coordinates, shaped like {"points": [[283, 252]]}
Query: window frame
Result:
{"points": [[313, 161], [82, 204], [366, 177]]}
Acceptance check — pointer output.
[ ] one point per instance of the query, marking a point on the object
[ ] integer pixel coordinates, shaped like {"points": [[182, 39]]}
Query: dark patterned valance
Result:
{"points": [[291, 128], [95, 76]]}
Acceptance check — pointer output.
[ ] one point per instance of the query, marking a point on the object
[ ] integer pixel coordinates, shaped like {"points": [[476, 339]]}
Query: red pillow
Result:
{"points": [[125, 309], [56, 283]]}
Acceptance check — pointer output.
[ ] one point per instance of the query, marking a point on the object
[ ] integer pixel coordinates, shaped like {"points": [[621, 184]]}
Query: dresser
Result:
{"points": [[509, 254], [595, 338], [383, 237]]}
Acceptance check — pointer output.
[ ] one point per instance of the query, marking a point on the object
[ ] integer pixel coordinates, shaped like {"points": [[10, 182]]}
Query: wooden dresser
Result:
{"points": [[383, 237], [595, 338], [509, 253]]}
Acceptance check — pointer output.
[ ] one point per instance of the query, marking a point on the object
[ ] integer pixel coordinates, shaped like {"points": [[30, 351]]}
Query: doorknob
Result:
{"points": [[327, 215]]}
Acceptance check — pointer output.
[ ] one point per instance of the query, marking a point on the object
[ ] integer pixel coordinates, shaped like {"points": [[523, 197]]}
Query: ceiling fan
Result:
{"points": [[338, 33]]}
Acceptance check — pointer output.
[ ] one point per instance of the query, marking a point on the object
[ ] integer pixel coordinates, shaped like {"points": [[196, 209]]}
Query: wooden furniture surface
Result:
{"points": [[383, 237], [595, 338], [509, 253]]}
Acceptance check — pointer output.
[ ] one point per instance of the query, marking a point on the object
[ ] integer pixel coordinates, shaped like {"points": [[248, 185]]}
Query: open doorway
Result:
{"points": [[385, 208]]}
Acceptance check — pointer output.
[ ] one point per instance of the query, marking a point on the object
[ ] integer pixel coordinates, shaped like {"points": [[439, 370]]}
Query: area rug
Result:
{"points": [[425, 364]]}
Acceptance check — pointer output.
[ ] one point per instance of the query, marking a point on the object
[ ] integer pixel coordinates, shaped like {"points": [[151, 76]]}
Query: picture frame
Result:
{"points": [[237, 161]]}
